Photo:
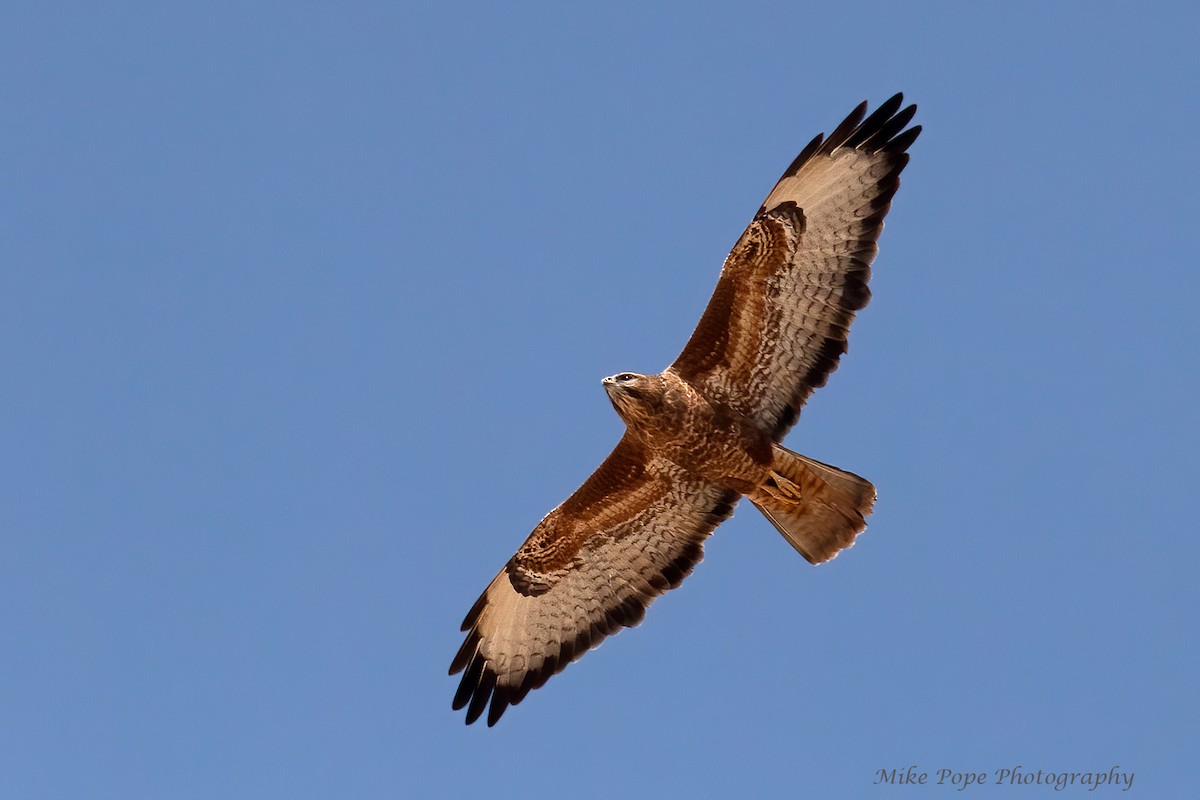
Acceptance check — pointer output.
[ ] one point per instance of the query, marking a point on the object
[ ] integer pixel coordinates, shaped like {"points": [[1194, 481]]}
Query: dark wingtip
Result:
{"points": [[483, 693], [846, 127], [904, 140], [501, 697], [878, 119], [883, 129], [885, 132], [466, 687]]}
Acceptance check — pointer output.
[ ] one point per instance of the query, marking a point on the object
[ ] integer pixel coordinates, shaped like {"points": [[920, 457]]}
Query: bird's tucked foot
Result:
{"points": [[819, 509]]}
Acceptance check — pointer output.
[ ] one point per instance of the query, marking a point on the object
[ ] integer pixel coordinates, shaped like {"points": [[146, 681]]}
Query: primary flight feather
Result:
{"points": [[706, 431]]}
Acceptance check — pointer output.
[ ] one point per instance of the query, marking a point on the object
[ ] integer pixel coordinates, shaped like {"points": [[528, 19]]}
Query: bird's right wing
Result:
{"points": [[635, 529]]}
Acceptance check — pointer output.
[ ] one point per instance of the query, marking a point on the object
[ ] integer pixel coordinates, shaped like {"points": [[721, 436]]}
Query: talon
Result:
{"points": [[782, 489]]}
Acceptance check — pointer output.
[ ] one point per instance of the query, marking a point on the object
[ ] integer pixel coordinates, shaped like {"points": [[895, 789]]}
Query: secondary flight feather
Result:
{"points": [[705, 432]]}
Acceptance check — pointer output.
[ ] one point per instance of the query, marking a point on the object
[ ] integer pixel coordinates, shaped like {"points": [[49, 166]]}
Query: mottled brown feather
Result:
{"points": [[541, 613], [763, 353]]}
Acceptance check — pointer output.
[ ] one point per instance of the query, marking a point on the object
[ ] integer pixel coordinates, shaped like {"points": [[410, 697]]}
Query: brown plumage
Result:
{"points": [[706, 431]]}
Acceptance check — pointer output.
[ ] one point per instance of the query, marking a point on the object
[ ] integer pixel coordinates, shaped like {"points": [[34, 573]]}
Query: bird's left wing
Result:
{"points": [[635, 529], [778, 320]]}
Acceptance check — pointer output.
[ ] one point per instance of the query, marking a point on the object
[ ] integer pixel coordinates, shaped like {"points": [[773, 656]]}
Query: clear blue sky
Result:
{"points": [[304, 310]]}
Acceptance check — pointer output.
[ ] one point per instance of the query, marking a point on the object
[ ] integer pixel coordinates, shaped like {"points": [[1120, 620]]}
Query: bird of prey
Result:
{"points": [[706, 431]]}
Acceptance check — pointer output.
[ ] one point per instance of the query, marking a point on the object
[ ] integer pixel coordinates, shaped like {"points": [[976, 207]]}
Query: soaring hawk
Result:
{"points": [[706, 431]]}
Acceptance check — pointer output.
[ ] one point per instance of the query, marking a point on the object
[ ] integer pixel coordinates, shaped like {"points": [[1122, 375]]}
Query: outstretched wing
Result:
{"points": [[777, 323], [633, 530]]}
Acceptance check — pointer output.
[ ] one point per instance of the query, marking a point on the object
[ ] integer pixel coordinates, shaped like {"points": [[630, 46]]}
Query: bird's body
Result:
{"points": [[706, 431], [670, 419]]}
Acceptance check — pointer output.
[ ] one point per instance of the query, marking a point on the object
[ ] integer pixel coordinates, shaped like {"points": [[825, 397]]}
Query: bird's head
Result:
{"points": [[635, 397]]}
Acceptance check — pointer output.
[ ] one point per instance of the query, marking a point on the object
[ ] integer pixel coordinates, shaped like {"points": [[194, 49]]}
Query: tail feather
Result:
{"points": [[819, 509]]}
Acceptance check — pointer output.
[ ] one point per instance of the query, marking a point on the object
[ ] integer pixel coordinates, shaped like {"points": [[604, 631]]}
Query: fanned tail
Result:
{"points": [[819, 509]]}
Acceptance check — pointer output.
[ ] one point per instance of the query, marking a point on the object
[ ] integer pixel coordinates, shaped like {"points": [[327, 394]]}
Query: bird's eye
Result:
{"points": [[625, 377]]}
